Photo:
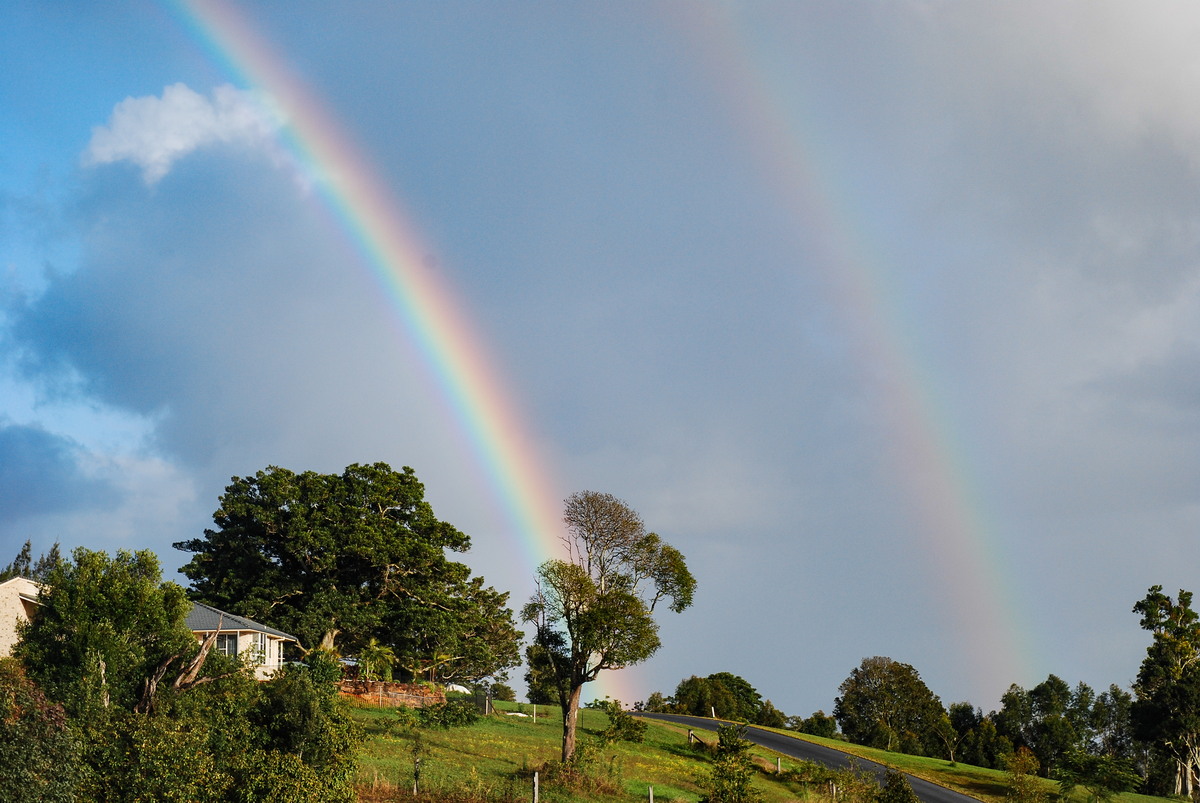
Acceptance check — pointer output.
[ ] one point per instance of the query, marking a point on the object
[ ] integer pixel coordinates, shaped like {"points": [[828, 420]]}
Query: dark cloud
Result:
{"points": [[41, 473]]}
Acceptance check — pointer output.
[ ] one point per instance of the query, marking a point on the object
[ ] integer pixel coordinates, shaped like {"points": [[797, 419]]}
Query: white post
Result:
{"points": [[713, 708], [535, 787], [651, 794], [778, 765]]}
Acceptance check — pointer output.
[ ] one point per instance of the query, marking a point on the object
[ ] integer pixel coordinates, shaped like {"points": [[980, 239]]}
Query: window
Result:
{"points": [[227, 644]]}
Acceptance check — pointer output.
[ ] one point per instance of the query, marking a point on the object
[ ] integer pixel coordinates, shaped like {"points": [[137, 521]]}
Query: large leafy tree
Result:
{"points": [[105, 628], [595, 610], [339, 559], [1166, 712], [884, 703]]}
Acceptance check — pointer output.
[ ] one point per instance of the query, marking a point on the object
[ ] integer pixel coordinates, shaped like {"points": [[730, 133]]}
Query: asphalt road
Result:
{"points": [[807, 751]]}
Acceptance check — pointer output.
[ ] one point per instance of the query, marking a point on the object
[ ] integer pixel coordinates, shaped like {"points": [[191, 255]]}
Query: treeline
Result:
{"points": [[1146, 739]]}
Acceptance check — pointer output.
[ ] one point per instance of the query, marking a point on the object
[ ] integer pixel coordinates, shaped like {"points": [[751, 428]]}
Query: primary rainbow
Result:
{"points": [[375, 221], [378, 225]]}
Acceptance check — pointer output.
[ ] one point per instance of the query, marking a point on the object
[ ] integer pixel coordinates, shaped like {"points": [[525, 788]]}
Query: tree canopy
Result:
{"points": [[594, 611], [884, 703], [339, 559]]}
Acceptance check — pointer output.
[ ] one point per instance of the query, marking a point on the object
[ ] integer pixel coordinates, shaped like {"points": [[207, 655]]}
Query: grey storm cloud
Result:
{"points": [[41, 473]]}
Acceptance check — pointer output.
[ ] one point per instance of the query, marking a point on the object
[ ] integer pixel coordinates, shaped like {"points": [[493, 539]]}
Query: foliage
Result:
{"points": [[338, 559], [503, 693], [1050, 719], [23, 565], [548, 650], [656, 703], [103, 628], [1023, 783], [107, 640], [885, 704], [601, 600], [1167, 710], [732, 770], [769, 716], [818, 724], [1102, 776], [704, 697], [452, 714], [39, 756], [747, 700], [622, 726], [726, 696], [896, 789], [375, 661]]}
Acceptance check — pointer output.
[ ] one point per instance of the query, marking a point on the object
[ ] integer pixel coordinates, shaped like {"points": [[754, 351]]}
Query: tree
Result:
{"points": [[338, 559], [771, 717], [1167, 710], [23, 565], [105, 629], [705, 697], [1023, 784], [746, 698], [819, 724], [601, 599], [375, 661], [885, 704], [548, 650]]}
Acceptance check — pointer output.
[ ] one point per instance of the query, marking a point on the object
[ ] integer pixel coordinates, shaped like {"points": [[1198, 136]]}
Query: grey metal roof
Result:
{"points": [[207, 618]]}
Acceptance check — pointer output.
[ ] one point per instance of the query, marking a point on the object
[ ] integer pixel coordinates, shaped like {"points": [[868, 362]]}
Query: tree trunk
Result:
{"points": [[570, 720]]}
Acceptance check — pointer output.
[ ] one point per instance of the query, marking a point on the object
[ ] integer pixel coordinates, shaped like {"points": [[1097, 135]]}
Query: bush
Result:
{"points": [[897, 789], [452, 714], [732, 771], [622, 726], [39, 756]]}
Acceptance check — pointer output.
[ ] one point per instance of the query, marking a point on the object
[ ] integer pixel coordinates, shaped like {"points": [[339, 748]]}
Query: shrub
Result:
{"points": [[39, 756], [732, 770], [622, 726]]}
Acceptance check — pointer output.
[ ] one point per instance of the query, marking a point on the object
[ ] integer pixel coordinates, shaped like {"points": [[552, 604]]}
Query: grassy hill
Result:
{"points": [[494, 760]]}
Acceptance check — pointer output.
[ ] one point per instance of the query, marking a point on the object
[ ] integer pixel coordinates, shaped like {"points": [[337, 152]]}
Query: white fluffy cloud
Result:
{"points": [[154, 132]]}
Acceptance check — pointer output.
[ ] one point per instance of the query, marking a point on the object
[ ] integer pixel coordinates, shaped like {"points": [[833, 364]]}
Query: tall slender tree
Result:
{"points": [[1167, 710], [594, 610]]}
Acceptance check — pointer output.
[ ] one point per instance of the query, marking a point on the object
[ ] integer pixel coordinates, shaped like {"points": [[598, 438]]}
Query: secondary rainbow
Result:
{"points": [[926, 458], [392, 249]]}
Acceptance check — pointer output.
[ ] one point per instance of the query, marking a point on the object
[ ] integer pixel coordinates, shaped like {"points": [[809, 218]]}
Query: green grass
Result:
{"points": [[493, 760]]}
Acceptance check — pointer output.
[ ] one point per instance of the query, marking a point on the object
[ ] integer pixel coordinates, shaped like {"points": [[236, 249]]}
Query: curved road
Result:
{"points": [[809, 751]]}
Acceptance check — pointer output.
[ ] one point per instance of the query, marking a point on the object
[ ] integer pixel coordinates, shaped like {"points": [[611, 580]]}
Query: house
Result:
{"points": [[237, 635], [18, 597]]}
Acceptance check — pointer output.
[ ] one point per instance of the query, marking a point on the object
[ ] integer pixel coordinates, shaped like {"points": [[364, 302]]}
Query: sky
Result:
{"points": [[887, 315]]}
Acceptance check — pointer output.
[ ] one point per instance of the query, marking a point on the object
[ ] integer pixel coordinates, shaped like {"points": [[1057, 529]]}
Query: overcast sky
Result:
{"points": [[887, 315]]}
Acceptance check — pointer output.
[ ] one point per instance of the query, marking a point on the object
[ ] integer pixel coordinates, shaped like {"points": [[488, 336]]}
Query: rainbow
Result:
{"points": [[378, 226], [924, 455], [434, 321]]}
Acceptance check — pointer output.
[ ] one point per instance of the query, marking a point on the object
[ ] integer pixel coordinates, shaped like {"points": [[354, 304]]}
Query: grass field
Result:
{"points": [[494, 760]]}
